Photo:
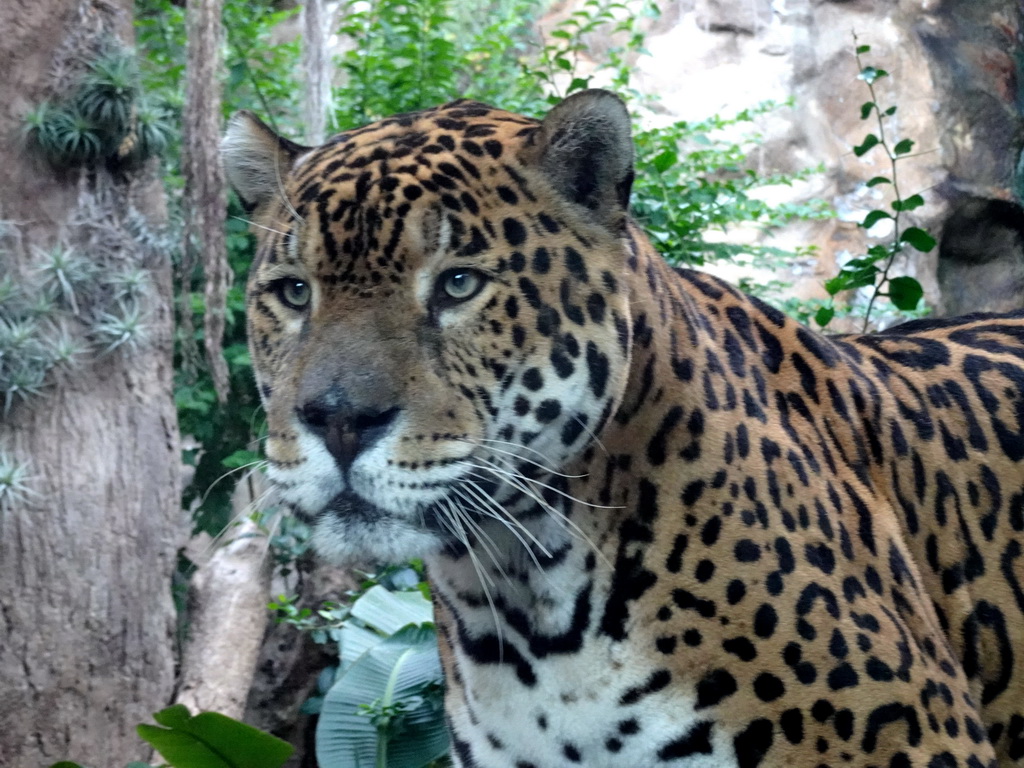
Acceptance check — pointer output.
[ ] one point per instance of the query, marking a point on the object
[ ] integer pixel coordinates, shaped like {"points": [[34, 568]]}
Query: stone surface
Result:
{"points": [[743, 16], [981, 258], [953, 67]]}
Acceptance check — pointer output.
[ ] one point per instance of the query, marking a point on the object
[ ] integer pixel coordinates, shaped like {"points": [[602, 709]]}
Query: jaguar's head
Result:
{"points": [[436, 307]]}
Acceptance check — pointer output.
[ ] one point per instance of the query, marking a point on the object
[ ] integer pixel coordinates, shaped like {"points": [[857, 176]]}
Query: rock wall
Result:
{"points": [[954, 68]]}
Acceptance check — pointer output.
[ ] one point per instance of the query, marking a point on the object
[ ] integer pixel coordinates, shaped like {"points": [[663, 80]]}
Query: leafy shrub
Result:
{"points": [[872, 270]]}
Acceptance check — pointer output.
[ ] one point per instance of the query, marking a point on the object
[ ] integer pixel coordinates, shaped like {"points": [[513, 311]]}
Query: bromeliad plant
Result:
{"points": [[106, 118], [873, 270], [79, 307]]}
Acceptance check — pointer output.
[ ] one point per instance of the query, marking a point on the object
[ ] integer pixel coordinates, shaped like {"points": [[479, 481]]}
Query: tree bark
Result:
{"points": [[316, 64], [228, 599], [86, 616], [205, 192]]}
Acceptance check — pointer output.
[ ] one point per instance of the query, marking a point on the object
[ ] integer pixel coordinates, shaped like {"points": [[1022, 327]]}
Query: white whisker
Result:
{"points": [[515, 455], [518, 482], [511, 469], [486, 542], [255, 507], [504, 517], [593, 437], [252, 223], [483, 576]]}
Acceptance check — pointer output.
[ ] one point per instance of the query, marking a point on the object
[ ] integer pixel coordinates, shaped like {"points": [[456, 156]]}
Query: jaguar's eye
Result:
{"points": [[461, 284], [294, 293]]}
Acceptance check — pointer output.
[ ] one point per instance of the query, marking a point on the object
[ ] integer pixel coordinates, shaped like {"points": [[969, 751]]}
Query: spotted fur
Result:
{"points": [[664, 523]]}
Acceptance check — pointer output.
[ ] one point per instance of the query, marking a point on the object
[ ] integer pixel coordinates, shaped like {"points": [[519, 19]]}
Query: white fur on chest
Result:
{"points": [[575, 714], [593, 705]]}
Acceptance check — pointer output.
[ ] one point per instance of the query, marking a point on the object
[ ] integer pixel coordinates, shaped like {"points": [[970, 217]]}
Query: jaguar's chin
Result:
{"points": [[351, 529]]}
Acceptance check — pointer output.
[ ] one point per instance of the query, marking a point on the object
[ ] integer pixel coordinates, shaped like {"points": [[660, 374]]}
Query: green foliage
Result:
{"points": [[67, 273], [105, 118], [25, 356], [560, 56], [385, 707], [15, 483], [79, 307], [212, 740], [409, 56], [260, 69], [123, 325], [872, 270], [207, 740], [108, 93], [691, 180]]}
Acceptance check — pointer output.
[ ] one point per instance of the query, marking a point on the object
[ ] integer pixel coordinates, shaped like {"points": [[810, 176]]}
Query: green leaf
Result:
{"points": [[874, 182], [173, 717], [905, 293], [180, 749], [212, 740], [869, 141], [824, 315], [863, 49], [903, 147], [890, 111], [871, 74], [865, 109], [238, 459], [66, 764], [564, 63], [399, 681], [849, 279], [908, 204], [873, 218], [853, 265], [918, 238], [665, 160], [389, 611], [578, 84]]}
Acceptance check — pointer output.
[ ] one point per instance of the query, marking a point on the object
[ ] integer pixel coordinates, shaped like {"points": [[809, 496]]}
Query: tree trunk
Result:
{"points": [[87, 551], [316, 65], [205, 198], [228, 597]]}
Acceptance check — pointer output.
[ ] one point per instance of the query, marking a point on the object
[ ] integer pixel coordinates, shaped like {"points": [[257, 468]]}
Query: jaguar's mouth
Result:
{"points": [[354, 510]]}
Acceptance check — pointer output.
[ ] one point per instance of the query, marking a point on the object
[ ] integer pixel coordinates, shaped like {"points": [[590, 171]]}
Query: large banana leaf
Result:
{"points": [[390, 611], [385, 709]]}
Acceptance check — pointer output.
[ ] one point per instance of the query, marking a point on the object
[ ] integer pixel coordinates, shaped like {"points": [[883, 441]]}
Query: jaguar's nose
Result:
{"points": [[346, 429]]}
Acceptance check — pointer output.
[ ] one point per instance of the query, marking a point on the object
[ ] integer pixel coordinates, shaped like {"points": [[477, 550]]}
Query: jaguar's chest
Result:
{"points": [[598, 707], [552, 688]]}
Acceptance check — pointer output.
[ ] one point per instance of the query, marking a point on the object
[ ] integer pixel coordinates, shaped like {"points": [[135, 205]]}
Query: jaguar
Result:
{"points": [[663, 523]]}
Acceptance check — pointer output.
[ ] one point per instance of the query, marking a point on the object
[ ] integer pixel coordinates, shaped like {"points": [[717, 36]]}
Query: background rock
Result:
{"points": [[954, 67]]}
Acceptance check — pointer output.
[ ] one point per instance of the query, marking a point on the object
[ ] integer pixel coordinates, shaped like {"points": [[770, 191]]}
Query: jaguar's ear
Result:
{"points": [[585, 149], [256, 159]]}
